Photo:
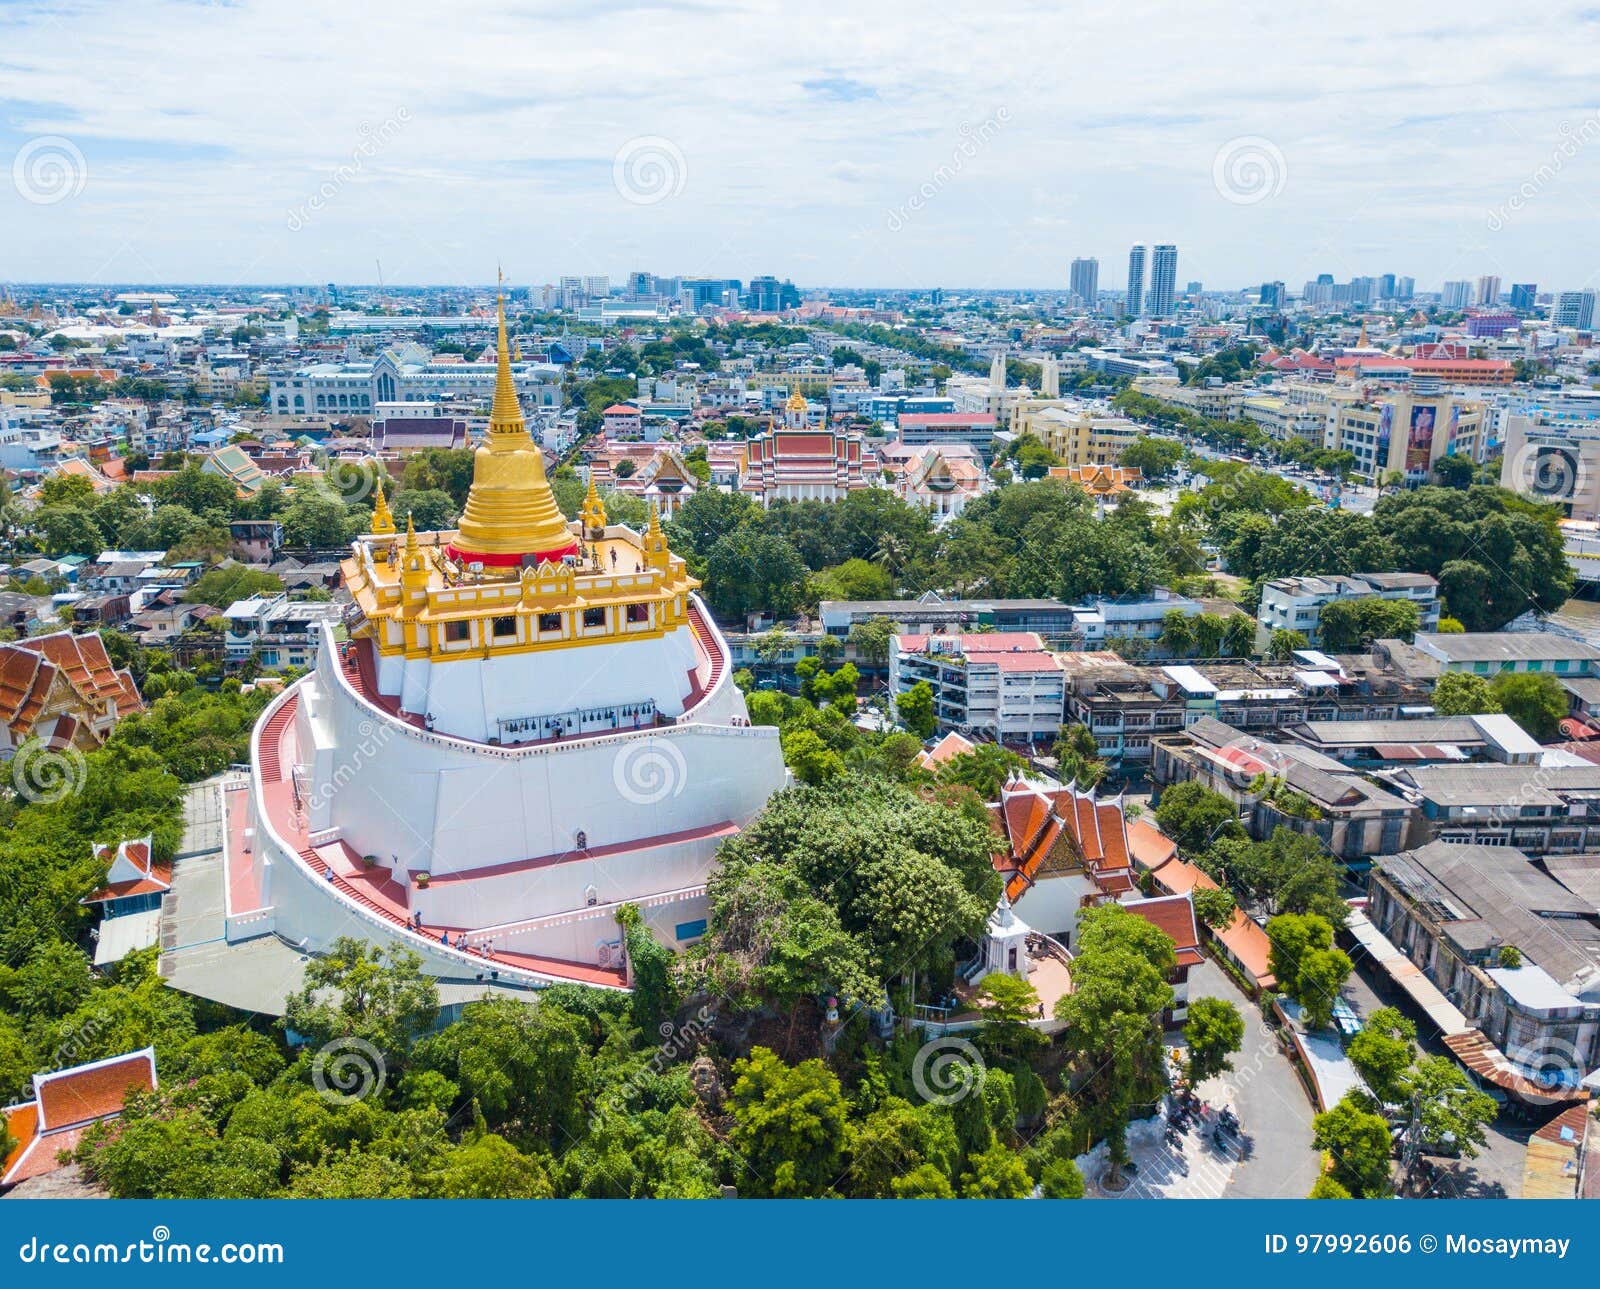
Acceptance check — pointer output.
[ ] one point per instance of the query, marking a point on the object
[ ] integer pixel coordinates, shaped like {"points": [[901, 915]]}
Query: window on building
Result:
{"points": [[549, 623], [594, 617], [456, 631], [638, 613], [504, 627]]}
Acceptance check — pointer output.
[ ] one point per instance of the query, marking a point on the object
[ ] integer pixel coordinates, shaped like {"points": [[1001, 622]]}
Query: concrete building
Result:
{"points": [[356, 388], [1085, 282], [1296, 603], [1453, 910], [1005, 686], [1488, 653], [1286, 785], [1409, 432], [1135, 306], [1163, 281]]}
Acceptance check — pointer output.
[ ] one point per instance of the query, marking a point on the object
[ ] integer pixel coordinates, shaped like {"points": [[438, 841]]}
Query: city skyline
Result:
{"points": [[830, 154]]}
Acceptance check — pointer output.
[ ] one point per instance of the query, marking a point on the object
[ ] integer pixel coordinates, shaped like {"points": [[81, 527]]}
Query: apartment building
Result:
{"points": [[1296, 603], [1003, 685], [1126, 704]]}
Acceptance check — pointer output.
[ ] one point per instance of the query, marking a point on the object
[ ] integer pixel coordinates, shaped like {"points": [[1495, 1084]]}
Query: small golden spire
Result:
{"points": [[593, 514], [656, 554], [413, 567], [1361, 342], [516, 353], [382, 519]]}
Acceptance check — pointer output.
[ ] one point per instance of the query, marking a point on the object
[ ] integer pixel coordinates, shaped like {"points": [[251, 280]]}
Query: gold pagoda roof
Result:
{"points": [[511, 511]]}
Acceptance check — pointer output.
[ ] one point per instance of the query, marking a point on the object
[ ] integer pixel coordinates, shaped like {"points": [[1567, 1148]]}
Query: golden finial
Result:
{"points": [[382, 519], [1361, 342], [516, 353], [797, 401], [505, 414]]}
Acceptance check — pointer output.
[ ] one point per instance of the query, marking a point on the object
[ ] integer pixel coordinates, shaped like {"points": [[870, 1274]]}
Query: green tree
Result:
{"points": [[1357, 1142], [1193, 815], [1214, 1031], [1535, 700], [520, 1063], [379, 996], [1382, 1053], [789, 1123], [985, 769], [1113, 1016], [1283, 644], [1215, 907], [1309, 969], [1460, 693], [915, 709], [997, 1173]]}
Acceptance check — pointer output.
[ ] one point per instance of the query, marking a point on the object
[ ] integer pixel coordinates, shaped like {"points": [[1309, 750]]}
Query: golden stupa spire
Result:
{"points": [[1361, 341], [511, 512], [382, 519], [505, 414]]}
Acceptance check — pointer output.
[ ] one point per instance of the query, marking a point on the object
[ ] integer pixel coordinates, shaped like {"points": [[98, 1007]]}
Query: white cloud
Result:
{"points": [[804, 136]]}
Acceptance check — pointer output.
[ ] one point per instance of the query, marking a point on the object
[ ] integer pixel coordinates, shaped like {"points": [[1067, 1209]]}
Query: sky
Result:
{"points": [[880, 144]]}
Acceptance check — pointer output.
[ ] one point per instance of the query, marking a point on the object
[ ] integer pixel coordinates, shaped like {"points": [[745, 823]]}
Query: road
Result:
{"points": [[1273, 1108]]}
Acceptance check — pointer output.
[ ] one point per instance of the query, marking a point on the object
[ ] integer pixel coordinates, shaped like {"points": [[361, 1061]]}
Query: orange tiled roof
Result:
{"points": [[25, 680], [64, 1104], [89, 668], [1031, 821], [1173, 915]]}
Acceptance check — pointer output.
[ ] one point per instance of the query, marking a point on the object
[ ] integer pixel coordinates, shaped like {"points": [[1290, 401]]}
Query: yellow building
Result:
{"points": [[1076, 434]]}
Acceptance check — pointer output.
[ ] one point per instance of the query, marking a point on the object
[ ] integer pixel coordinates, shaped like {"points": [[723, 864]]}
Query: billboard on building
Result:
{"points": [[1419, 442]]}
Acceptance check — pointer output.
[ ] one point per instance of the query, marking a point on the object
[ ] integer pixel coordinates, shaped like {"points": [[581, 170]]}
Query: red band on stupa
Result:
{"points": [[489, 560]]}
